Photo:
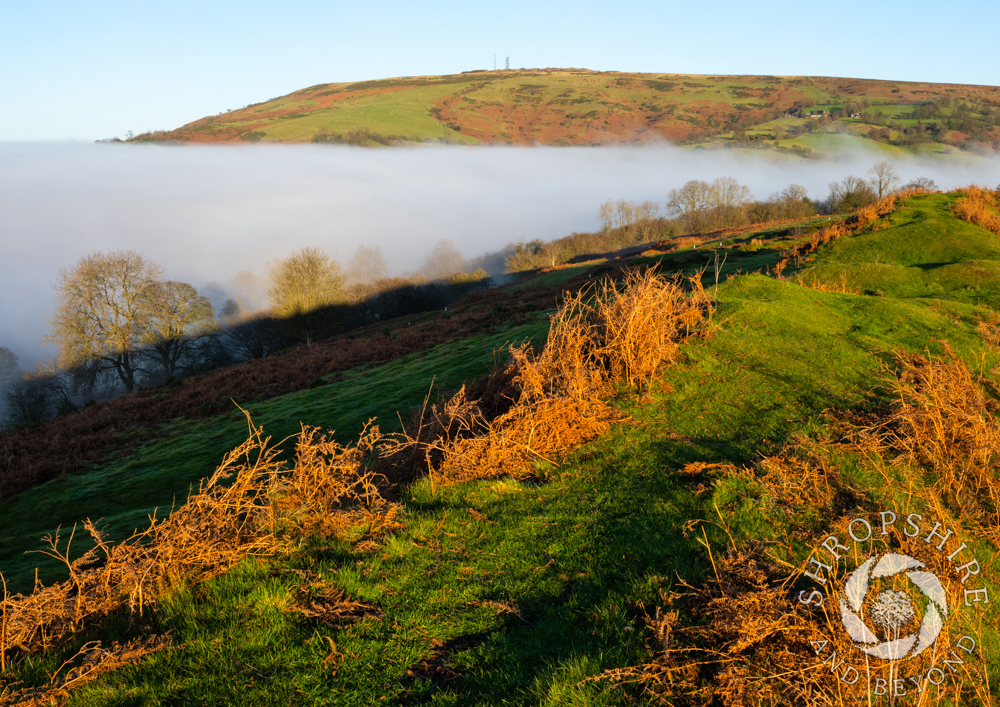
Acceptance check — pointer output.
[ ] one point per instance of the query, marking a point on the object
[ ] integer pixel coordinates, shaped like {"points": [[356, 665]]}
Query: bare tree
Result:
{"points": [[254, 336], [728, 200], [177, 316], [29, 402], [444, 261], [101, 306], [849, 195], [647, 210], [923, 184], [606, 212], [646, 214], [8, 362], [793, 192], [301, 286], [367, 265], [728, 193], [690, 202], [883, 178], [725, 200], [34, 396], [616, 214], [630, 221], [60, 384]]}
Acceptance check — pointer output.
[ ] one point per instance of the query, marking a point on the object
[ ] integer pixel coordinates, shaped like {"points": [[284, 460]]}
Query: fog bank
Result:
{"points": [[205, 213]]}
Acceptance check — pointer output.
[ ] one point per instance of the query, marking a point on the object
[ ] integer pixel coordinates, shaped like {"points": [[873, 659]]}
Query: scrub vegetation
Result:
{"points": [[602, 484]]}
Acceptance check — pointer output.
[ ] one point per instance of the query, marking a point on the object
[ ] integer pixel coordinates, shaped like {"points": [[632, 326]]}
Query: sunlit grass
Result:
{"points": [[497, 592]]}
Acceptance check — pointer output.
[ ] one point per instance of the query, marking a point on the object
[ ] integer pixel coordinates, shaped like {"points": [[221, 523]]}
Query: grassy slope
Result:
{"points": [[398, 113], [925, 253], [559, 106], [124, 491], [568, 555]]}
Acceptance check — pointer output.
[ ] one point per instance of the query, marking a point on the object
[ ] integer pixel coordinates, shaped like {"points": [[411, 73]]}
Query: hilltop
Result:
{"points": [[800, 115], [644, 543]]}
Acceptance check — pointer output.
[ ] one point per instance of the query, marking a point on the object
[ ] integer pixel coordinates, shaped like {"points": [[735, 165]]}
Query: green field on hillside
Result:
{"points": [[402, 113], [510, 592], [581, 107]]}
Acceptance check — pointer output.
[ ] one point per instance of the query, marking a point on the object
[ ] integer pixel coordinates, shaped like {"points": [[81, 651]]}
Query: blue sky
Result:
{"points": [[90, 69]]}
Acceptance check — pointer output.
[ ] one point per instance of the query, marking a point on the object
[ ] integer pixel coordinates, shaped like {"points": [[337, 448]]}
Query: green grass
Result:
{"points": [[123, 492], [891, 111], [819, 96], [520, 591], [570, 556], [926, 252], [832, 142], [555, 277], [400, 113]]}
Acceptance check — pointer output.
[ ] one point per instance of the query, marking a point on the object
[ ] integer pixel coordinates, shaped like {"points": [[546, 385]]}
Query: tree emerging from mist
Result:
{"points": [[302, 285], [366, 268], [883, 178], [619, 213], [250, 292], [367, 265], [102, 306], [445, 261], [702, 205], [176, 318], [850, 194]]}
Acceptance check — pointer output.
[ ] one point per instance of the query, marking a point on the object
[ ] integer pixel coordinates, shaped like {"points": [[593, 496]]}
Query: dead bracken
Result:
{"points": [[540, 406]]}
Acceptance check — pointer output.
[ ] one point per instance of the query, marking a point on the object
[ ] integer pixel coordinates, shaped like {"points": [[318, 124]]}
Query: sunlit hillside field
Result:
{"points": [[580, 107], [551, 584]]}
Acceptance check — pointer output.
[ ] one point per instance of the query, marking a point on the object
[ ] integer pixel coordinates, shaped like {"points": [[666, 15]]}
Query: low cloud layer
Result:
{"points": [[205, 213]]}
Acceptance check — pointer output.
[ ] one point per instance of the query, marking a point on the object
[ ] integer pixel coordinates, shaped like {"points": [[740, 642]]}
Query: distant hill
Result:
{"points": [[803, 115]]}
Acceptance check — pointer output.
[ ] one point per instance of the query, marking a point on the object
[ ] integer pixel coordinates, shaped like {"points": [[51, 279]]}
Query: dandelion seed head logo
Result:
{"points": [[893, 607], [892, 611]]}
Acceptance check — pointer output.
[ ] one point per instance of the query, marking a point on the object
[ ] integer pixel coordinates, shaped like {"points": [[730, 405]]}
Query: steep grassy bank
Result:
{"points": [[919, 252], [517, 592]]}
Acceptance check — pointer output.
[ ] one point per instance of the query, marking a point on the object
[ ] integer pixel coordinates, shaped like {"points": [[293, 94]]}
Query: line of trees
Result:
{"points": [[695, 207], [119, 324], [701, 207], [852, 193]]}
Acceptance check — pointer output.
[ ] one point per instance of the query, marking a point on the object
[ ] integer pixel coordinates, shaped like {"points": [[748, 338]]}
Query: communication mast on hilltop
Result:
{"points": [[494, 61], [507, 67]]}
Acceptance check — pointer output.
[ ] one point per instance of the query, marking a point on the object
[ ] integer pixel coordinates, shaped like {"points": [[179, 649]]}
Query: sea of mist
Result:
{"points": [[206, 213]]}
